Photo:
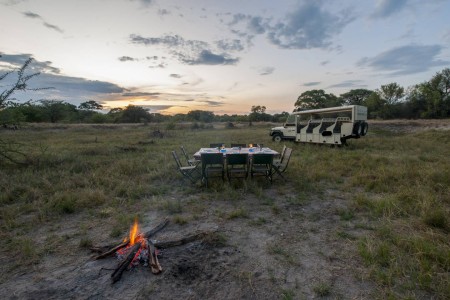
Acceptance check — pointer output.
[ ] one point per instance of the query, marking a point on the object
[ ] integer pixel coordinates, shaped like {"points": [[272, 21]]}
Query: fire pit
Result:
{"points": [[138, 248]]}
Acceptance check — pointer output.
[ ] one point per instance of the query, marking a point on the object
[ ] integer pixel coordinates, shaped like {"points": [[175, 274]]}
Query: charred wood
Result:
{"points": [[117, 274]]}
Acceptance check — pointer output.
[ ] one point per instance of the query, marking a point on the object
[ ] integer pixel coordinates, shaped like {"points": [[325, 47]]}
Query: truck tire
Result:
{"points": [[356, 129], [277, 138], [364, 129]]}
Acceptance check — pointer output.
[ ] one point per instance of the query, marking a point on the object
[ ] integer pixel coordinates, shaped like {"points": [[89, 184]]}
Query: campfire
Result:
{"points": [[138, 249]]}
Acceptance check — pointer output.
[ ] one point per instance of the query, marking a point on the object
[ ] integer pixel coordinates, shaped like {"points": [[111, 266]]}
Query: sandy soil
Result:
{"points": [[292, 250]]}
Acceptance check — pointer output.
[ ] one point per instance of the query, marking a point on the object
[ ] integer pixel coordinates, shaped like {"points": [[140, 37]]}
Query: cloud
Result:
{"points": [[67, 83], [387, 8], [206, 57], [161, 65], [212, 102], [168, 40], [446, 36], [257, 25], [175, 75], [12, 2], [191, 52], [309, 26], [266, 70], [157, 108], [63, 87], [312, 83], [54, 27], [32, 15], [145, 3], [407, 59], [163, 12], [126, 58], [140, 94], [29, 14], [348, 84], [17, 61], [230, 45], [324, 63]]}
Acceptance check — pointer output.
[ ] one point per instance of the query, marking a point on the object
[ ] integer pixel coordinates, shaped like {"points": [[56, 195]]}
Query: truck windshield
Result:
{"points": [[290, 121]]}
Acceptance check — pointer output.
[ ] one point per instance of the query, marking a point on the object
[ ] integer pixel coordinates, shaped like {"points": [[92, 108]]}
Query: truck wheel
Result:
{"points": [[356, 128], [365, 128], [277, 138]]}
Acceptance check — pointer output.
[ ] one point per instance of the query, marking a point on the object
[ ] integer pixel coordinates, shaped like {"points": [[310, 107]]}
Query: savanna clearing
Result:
{"points": [[370, 220]]}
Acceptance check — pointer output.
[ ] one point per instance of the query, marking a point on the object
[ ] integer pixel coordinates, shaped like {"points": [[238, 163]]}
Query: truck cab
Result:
{"points": [[285, 132]]}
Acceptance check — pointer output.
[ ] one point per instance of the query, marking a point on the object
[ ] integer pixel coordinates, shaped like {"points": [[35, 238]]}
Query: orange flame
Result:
{"points": [[134, 232]]}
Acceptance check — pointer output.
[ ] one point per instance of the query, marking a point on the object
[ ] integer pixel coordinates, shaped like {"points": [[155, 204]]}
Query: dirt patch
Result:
{"points": [[279, 249]]}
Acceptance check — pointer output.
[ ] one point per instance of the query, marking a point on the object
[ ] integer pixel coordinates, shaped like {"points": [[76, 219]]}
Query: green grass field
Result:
{"points": [[105, 176]]}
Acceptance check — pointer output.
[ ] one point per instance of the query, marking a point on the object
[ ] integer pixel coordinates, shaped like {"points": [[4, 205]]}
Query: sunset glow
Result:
{"points": [[173, 56]]}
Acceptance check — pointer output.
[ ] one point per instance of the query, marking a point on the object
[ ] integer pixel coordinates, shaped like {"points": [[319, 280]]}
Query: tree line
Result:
{"points": [[430, 99]]}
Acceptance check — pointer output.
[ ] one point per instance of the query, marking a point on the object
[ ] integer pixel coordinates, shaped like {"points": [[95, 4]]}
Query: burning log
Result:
{"points": [[117, 274], [146, 235], [138, 247], [112, 251], [153, 259]]}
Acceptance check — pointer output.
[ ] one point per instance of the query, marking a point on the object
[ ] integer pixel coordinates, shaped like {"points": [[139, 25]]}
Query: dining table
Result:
{"points": [[250, 151]]}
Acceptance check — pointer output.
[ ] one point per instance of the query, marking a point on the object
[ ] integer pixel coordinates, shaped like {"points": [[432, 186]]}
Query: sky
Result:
{"points": [[174, 56]]}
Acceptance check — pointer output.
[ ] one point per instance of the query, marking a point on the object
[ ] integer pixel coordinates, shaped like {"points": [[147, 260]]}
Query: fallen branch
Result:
{"points": [[155, 230], [182, 241], [117, 274], [153, 259]]}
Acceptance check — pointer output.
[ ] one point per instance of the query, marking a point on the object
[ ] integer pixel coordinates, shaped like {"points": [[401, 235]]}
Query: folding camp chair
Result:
{"points": [[237, 165], [190, 172], [277, 161], [262, 165], [212, 166], [280, 168], [190, 161], [216, 145], [239, 145]]}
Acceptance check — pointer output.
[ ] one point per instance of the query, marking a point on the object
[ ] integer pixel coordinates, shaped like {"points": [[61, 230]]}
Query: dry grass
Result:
{"points": [[399, 183]]}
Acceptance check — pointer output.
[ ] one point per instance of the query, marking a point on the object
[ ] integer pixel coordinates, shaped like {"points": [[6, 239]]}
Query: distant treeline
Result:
{"points": [[430, 99], [51, 111]]}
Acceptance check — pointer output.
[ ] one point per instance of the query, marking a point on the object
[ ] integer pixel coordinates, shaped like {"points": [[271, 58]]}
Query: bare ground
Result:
{"points": [[279, 249]]}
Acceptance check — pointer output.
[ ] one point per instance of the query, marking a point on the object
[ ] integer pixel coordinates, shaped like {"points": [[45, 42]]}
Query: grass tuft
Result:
{"points": [[322, 289]]}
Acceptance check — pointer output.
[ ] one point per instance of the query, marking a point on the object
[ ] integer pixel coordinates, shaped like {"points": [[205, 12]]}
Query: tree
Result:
{"points": [[135, 114], [258, 113], [355, 97], [314, 99], [20, 84], [90, 105], [258, 109], [11, 150], [391, 93], [439, 86], [375, 106], [200, 116], [58, 110]]}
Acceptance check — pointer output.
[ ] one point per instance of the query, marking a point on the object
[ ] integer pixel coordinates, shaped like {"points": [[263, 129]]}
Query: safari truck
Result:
{"points": [[334, 125]]}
